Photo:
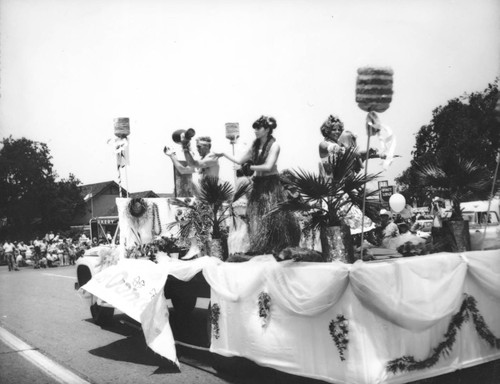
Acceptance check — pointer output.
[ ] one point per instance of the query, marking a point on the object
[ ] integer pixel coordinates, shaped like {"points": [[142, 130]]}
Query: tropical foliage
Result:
{"points": [[328, 198], [213, 205], [457, 179]]}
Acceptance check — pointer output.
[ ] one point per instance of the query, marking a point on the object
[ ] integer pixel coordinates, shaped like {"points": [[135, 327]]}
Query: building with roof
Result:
{"points": [[143, 195], [100, 200]]}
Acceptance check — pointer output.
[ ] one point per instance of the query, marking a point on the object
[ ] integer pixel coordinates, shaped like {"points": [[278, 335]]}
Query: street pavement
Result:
{"points": [[15, 368]]}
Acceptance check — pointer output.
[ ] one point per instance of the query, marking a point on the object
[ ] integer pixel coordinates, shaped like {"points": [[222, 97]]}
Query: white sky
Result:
{"points": [[69, 67]]}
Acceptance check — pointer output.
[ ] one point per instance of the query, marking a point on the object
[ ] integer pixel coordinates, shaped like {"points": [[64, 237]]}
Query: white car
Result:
{"points": [[477, 226], [483, 214], [190, 299], [86, 267]]}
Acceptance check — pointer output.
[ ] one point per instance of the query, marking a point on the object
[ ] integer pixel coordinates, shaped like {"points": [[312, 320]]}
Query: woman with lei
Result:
{"points": [[330, 148], [269, 233], [336, 141]]}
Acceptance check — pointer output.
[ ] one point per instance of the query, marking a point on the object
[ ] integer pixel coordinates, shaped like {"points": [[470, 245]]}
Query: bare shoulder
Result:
{"points": [[275, 147]]}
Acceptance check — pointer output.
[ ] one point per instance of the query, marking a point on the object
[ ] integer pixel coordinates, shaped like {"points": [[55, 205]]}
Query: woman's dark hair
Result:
{"points": [[266, 122], [329, 123]]}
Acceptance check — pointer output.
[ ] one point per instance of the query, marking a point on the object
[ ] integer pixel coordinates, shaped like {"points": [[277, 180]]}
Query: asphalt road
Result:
{"points": [[42, 308], [44, 311]]}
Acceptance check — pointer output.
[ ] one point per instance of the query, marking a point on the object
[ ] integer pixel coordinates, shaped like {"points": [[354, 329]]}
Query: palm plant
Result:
{"points": [[327, 198], [214, 203], [457, 179]]}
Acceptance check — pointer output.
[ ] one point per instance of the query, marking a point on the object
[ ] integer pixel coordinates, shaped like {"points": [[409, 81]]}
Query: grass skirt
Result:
{"points": [[274, 232]]}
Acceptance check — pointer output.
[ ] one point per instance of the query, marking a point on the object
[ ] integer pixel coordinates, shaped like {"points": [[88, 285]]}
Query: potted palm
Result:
{"points": [[204, 218], [458, 180], [327, 200]]}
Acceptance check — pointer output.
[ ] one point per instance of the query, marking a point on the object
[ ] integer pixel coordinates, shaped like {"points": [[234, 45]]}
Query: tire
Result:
{"points": [[101, 315]]}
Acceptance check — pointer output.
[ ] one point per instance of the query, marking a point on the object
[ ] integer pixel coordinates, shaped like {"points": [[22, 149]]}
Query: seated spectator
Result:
{"points": [[388, 227], [19, 258], [71, 251], [43, 262]]}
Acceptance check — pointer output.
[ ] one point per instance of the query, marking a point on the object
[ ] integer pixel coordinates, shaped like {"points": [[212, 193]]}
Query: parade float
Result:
{"points": [[392, 319]]}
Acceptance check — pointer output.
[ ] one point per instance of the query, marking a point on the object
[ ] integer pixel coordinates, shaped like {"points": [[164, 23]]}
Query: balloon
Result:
{"points": [[397, 202]]}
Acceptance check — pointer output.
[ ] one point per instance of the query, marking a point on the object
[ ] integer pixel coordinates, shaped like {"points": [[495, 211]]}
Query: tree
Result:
{"points": [[456, 179], [31, 197], [465, 127]]}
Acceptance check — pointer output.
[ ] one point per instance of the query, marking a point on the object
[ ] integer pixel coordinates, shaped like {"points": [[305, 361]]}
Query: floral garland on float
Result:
{"points": [[468, 311], [339, 331], [213, 319], [264, 305]]}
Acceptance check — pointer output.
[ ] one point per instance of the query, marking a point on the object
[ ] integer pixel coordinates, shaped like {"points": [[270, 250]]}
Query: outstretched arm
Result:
{"points": [[182, 169], [243, 159]]}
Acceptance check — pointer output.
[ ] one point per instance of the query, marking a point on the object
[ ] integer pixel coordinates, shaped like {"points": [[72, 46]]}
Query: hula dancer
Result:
{"points": [[268, 233]]}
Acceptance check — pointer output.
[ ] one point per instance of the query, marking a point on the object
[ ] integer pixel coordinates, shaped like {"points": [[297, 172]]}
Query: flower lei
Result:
{"points": [[339, 331], [213, 318], [468, 310], [264, 303]]}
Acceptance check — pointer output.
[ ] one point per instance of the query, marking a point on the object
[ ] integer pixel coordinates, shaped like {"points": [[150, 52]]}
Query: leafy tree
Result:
{"points": [[456, 179], [31, 197], [465, 127]]}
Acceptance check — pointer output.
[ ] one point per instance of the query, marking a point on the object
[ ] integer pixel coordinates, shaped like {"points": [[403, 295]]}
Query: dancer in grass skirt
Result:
{"points": [[269, 233]]}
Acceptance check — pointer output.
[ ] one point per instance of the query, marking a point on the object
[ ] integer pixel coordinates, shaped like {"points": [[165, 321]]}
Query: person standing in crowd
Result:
{"points": [[18, 255], [268, 233], [37, 252], [388, 228], [71, 251], [437, 232], [50, 237], [29, 253], [43, 249], [9, 249], [83, 239]]}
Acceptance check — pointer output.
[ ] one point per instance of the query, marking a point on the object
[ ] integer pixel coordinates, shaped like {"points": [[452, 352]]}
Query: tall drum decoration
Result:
{"points": [[497, 118], [373, 94], [122, 131], [232, 134]]}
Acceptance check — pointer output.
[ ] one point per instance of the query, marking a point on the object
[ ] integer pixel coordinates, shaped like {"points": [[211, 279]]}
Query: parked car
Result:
{"points": [[476, 212]]}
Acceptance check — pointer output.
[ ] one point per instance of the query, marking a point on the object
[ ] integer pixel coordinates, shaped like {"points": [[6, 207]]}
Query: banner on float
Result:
{"points": [[128, 286]]}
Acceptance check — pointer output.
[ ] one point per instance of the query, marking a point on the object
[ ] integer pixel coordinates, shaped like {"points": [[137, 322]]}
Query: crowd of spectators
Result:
{"points": [[52, 250]]}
